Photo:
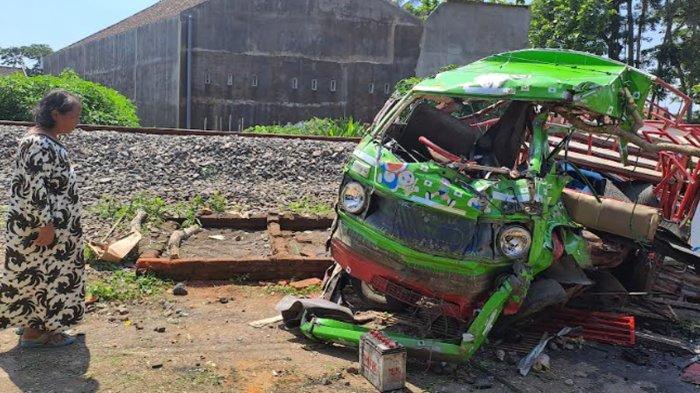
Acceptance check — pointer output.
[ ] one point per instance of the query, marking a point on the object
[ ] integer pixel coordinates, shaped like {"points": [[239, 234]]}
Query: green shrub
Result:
{"points": [[19, 95], [315, 126], [405, 85]]}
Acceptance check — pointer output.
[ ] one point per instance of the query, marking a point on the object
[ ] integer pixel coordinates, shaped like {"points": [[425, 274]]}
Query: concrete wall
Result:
{"points": [[143, 64], [463, 32], [249, 55], [280, 61]]}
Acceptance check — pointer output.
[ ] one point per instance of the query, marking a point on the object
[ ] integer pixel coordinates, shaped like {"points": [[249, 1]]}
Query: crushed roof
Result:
{"points": [[163, 9]]}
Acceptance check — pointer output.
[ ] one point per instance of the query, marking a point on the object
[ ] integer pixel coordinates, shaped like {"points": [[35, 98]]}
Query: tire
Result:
{"points": [[374, 299]]}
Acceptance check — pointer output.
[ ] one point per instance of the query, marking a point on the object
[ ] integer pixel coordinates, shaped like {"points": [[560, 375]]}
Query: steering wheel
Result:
{"points": [[438, 152]]}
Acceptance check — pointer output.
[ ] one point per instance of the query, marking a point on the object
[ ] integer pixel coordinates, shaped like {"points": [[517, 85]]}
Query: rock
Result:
{"points": [[512, 358], [569, 382], [157, 365], [121, 310], [483, 383], [553, 346], [159, 329], [352, 370], [541, 363], [326, 381], [180, 289], [262, 164], [636, 356], [500, 355], [303, 284], [223, 300]]}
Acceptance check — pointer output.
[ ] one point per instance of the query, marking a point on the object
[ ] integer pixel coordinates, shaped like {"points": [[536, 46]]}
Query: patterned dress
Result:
{"points": [[42, 287]]}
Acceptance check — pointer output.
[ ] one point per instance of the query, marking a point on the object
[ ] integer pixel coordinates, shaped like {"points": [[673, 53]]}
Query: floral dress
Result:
{"points": [[42, 287]]}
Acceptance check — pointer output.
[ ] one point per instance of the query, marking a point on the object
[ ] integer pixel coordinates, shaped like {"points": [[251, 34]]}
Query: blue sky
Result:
{"points": [[60, 23]]}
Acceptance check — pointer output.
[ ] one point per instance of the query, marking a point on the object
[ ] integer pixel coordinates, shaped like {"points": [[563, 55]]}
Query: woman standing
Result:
{"points": [[41, 282]]}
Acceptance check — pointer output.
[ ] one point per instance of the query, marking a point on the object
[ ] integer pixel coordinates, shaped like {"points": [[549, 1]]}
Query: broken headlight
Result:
{"points": [[514, 241], [352, 198]]}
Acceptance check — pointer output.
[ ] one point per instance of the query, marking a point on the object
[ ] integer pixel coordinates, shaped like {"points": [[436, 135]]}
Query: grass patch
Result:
{"points": [[316, 126], [310, 206], [110, 208], [287, 290], [240, 279], [188, 210], [158, 210], [125, 285], [218, 203]]}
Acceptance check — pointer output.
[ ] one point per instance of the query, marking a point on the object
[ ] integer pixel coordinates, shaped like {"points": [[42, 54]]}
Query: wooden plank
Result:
{"points": [[603, 165], [226, 268], [607, 154]]}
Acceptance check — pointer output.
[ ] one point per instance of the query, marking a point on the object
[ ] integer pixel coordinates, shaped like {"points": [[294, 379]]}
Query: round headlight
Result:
{"points": [[514, 241], [352, 198]]}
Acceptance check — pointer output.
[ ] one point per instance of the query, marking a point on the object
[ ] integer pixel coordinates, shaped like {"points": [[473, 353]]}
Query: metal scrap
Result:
{"points": [[528, 361]]}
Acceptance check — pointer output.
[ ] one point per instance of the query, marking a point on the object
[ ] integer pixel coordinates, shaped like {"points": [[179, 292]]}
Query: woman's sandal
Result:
{"points": [[48, 340]]}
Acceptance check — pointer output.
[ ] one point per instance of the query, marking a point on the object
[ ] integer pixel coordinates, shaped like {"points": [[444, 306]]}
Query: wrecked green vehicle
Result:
{"points": [[465, 204]]}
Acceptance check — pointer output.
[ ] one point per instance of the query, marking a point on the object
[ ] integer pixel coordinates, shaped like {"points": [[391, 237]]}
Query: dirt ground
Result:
{"points": [[226, 243], [202, 343]]}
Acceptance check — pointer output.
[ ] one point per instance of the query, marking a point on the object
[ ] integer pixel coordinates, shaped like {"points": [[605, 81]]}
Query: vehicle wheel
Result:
{"points": [[374, 299]]}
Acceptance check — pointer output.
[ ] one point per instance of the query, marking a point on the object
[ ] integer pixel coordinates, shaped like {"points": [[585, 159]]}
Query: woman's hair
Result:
{"points": [[55, 100]]}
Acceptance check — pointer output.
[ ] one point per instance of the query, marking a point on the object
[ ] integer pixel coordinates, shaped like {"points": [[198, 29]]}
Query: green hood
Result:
{"points": [[543, 75]]}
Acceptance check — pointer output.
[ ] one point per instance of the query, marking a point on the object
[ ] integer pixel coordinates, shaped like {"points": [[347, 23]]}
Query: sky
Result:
{"points": [[60, 23]]}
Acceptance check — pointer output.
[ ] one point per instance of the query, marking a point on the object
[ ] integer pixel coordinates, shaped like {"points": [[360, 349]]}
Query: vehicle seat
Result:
{"points": [[441, 128]]}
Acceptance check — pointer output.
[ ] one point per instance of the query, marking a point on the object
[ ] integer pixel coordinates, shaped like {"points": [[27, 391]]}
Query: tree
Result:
{"points": [[619, 29], [423, 8], [24, 56], [572, 24]]}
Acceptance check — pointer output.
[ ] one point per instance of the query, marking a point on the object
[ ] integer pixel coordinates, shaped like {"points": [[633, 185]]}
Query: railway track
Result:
{"points": [[189, 132]]}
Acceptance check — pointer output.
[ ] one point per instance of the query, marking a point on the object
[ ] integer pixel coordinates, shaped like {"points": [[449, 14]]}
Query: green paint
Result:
{"points": [[420, 260], [543, 75]]}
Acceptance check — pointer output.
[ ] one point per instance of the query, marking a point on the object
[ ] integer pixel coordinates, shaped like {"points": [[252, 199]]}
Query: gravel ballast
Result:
{"points": [[255, 174]]}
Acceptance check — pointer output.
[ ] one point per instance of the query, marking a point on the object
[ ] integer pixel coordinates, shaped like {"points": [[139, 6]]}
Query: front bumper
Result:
{"points": [[395, 269]]}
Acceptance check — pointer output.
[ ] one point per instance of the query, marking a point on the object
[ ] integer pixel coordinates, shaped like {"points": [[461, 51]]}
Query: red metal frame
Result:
{"points": [[604, 327], [677, 188]]}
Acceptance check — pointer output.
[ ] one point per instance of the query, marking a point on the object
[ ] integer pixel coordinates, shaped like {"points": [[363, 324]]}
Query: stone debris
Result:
{"points": [[244, 170], [542, 363], [180, 289]]}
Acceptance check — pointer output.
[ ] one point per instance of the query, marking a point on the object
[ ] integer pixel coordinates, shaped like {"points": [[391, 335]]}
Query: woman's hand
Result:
{"points": [[46, 236]]}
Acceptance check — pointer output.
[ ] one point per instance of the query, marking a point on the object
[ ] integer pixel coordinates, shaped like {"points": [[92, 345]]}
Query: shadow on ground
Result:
{"points": [[50, 370]]}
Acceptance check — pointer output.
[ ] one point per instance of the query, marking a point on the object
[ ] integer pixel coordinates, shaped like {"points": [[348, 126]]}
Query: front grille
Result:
{"points": [[426, 230]]}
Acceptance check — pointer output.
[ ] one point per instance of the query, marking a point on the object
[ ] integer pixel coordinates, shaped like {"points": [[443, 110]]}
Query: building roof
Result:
{"points": [[163, 9], [4, 70]]}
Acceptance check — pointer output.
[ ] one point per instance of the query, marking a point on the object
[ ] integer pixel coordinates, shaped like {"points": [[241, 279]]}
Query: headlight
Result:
{"points": [[514, 241], [353, 198]]}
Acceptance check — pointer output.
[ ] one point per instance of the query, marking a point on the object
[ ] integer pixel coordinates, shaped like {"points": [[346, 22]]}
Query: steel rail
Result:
{"points": [[190, 132]]}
